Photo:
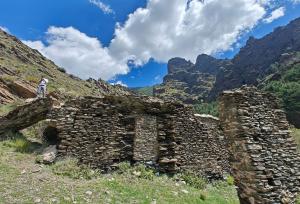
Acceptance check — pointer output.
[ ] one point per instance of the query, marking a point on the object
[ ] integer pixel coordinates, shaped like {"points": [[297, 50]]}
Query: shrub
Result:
{"points": [[18, 142], [193, 180], [61, 69], [203, 195], [207, 108], [143, 172], [69, 167], [298, 200], [124, 167], [296, 135], [33, 79], [230, 180]]}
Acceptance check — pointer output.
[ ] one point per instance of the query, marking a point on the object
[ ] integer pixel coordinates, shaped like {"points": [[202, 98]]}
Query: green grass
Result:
{"points": [[69, 167], [148, 90], [20, 143], [296, 135], [207, 108], [24, 181], [4, 109]]}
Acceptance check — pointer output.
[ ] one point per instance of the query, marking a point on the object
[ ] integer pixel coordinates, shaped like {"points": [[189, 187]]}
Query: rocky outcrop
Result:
{"points": [[26, 115], [21, 89], [253, 61], [189, 82], [264, 158], [210, 76]]}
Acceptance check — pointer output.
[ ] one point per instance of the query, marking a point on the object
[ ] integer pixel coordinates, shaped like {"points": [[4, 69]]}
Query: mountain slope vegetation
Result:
{"points": [[271, 63], [22, 67]]}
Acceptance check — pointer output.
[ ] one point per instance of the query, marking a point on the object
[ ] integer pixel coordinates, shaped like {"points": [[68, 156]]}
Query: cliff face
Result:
{"points": [[22, 67], [258, 63], [254, 61], [190, 82], [210, 76]]}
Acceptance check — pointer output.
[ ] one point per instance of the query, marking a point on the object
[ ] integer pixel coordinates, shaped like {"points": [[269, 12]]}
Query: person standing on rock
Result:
{"points": [[41, 90]]}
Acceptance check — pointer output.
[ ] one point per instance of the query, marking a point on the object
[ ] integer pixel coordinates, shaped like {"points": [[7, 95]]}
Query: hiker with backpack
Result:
{"points": [[42, 87]]}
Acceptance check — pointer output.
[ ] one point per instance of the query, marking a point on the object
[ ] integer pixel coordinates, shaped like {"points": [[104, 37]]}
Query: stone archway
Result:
{"points": [[50, 135]]}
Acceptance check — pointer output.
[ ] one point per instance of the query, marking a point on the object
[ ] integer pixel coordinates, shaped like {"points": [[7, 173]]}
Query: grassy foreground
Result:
{"points": [[24, 181]]}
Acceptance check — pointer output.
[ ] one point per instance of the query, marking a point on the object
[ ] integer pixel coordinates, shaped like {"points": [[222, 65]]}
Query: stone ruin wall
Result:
{"points": [[202, 148], [103, 132], [263, 156]]}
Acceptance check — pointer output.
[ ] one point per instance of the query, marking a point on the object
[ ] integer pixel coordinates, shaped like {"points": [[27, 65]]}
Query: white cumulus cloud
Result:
{"points": [[162, 30], [119, 83], [102, 6], [277, 13], [80, 54], [296, 1], [166, 28]]}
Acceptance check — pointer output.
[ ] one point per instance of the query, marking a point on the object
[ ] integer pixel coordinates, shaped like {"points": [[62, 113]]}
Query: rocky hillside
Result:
{"points": [[22, 67], [258, 63], [190, 82]]}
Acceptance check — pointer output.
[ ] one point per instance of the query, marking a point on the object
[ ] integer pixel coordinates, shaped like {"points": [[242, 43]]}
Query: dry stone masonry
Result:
{"points": [[263, 156], [251, 140], [26, 115], [103, 132]]}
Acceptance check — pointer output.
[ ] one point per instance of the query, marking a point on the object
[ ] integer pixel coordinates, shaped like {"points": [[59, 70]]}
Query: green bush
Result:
{"points": [[63, 70], [296, 135], [230, 180], [124, 167], [203, 196], [193, 180], [143, 172], [298, 200], [69, 167], [18, 142], [207, 108], [287, 89]]}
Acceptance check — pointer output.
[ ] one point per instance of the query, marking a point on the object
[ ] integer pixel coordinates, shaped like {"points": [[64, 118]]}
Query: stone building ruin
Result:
{"points": [[103, 132], [251, 140], [263, 156]]}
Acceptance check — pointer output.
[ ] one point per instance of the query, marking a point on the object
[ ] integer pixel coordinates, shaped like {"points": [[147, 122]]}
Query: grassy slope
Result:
{"points": [[24, 181], [147, 90], [29, 65]]}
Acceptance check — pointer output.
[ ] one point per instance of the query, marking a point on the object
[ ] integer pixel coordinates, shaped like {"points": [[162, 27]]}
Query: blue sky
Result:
{"points": [[122, 43]]}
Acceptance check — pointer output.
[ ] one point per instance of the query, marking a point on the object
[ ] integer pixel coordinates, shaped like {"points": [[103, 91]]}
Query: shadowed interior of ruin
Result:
{"points": [[50, 135]]}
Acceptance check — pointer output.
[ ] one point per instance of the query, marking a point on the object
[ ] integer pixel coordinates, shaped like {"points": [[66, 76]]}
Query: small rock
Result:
{"points": [[184, 191], [54, 200], [136, 173], [36, 170], [111, 179], [23, 171], [89, 193], [67, 199], [49, 154], [37, 200]]}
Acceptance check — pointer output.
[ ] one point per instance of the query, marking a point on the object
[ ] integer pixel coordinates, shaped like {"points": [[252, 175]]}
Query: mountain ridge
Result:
{"points": [[253, 64], [22, 67]]}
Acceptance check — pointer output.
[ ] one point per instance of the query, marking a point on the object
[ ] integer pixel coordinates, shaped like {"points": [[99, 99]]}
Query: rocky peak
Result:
{"points": [[208, 64], [178, 64]]}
